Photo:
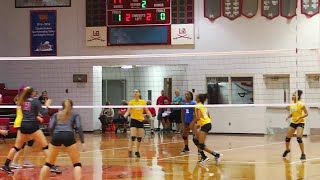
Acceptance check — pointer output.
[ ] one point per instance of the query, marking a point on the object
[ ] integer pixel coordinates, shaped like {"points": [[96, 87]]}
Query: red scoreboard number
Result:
{"points": [[139, 17], [127, 12]]}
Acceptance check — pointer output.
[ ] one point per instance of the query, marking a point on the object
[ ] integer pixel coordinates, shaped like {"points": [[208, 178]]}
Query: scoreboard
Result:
{"points": [[139, 17], [138, 12], [137, 22], [127, 21]]}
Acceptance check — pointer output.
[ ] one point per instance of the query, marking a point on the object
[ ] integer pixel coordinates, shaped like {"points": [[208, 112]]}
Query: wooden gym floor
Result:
{"points": [[245, 157]]}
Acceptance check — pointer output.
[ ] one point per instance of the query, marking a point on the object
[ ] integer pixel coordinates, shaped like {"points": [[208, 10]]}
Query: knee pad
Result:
{"points": [[44, 148], [202, 146], [139, 139], [195, 141], [30, 143], [184, 137], [299, 139], [17, 149], [77, 164], [49, 165], [288, 139], [133, 138]]}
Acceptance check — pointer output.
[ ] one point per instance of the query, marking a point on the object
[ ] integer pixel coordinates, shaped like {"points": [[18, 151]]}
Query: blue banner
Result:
{"points": [[43, 33]]}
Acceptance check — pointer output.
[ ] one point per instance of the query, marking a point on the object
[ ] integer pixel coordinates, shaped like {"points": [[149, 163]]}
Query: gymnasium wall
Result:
{"points": [[241, 34]]}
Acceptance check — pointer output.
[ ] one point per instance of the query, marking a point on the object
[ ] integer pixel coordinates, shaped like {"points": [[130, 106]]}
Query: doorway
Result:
{"points": [[114, 91]]}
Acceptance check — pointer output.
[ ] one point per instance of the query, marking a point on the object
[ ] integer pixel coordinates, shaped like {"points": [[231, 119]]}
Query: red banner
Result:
{"points": [[231, 9], [310, 7], [288, 8], [249, 8], [270, 8], [212, 9]]}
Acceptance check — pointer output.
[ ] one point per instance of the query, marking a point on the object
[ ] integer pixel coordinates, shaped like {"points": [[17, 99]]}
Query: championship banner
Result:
{"points": [[288, 8], [270, 8], [182, 34], [309, 7], [43, 27], [249, 8], [231, 9], [212, 9], [96, 36]]}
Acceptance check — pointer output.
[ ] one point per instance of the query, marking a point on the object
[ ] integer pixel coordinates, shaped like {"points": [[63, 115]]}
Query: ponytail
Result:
{"points": [[64, 115], [299, 92], [191, 95], [26, 93]]}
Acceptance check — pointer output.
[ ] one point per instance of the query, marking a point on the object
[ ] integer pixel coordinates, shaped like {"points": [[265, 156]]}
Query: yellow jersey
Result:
{"points": [[137, 113], [18, 120], [204, 116], [297, 111]]}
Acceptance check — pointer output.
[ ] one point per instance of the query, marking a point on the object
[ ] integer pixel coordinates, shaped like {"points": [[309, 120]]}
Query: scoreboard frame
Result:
{"points": [[136, 14]]}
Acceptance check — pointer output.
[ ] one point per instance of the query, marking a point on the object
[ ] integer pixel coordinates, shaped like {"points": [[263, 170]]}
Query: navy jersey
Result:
{"points": [[188, 112], [31, 108], [74, 121]]}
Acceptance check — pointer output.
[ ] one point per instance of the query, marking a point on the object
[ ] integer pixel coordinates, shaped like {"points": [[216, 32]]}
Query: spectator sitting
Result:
{"points": [[36, 94], [106, 117], [166, 117], [44, 97], [161, 101], [121, 119]]}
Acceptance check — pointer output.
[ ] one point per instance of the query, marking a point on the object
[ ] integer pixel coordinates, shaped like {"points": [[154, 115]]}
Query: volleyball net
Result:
{"points": [[247, 91]]}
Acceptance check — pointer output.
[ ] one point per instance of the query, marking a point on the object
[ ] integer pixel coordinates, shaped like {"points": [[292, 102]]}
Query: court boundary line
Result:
{"points": [[108, 149], [303, 161], [224, 150], [127, 147]]}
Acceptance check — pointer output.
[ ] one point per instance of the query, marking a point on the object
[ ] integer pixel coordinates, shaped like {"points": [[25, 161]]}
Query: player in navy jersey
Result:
{"points": [[29, 128], [187, 115]]}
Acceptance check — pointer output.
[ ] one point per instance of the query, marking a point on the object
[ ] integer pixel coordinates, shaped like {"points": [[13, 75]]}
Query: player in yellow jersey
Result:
{"points": [[202, 118], [298, 113], [136, 123]]}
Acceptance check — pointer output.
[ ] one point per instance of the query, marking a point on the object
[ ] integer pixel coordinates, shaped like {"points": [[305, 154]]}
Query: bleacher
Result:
{"points": [[7, 115]]}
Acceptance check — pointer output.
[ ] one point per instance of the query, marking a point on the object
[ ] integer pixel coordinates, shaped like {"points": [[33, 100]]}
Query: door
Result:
{"points": [[115, 91]]}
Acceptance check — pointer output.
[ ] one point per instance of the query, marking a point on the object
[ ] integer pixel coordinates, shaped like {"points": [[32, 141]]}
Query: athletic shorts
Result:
{"points": [[29, 127], [295, 126], [63, 138], [136, 124], [176, 116], [206, 128]]}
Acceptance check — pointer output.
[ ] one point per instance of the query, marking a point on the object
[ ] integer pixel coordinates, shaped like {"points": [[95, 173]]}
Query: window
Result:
{"points": [[230, 90], [241, 90], [218, 90]]}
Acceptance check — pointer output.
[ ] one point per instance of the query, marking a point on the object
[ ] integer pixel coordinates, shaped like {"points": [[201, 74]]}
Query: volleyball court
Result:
{"points": [[186, 116]]}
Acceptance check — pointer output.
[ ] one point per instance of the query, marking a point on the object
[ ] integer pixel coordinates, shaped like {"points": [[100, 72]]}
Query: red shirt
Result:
{"points": [[160, 101], [122, 111], [152, 111]]}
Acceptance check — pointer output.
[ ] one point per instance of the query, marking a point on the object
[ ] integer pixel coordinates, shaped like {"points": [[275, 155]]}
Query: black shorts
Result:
{"points": [[206, 128], [63, 138], [176, 116], [120, 120], [136, 124], [295, 126], [29, 127]]}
